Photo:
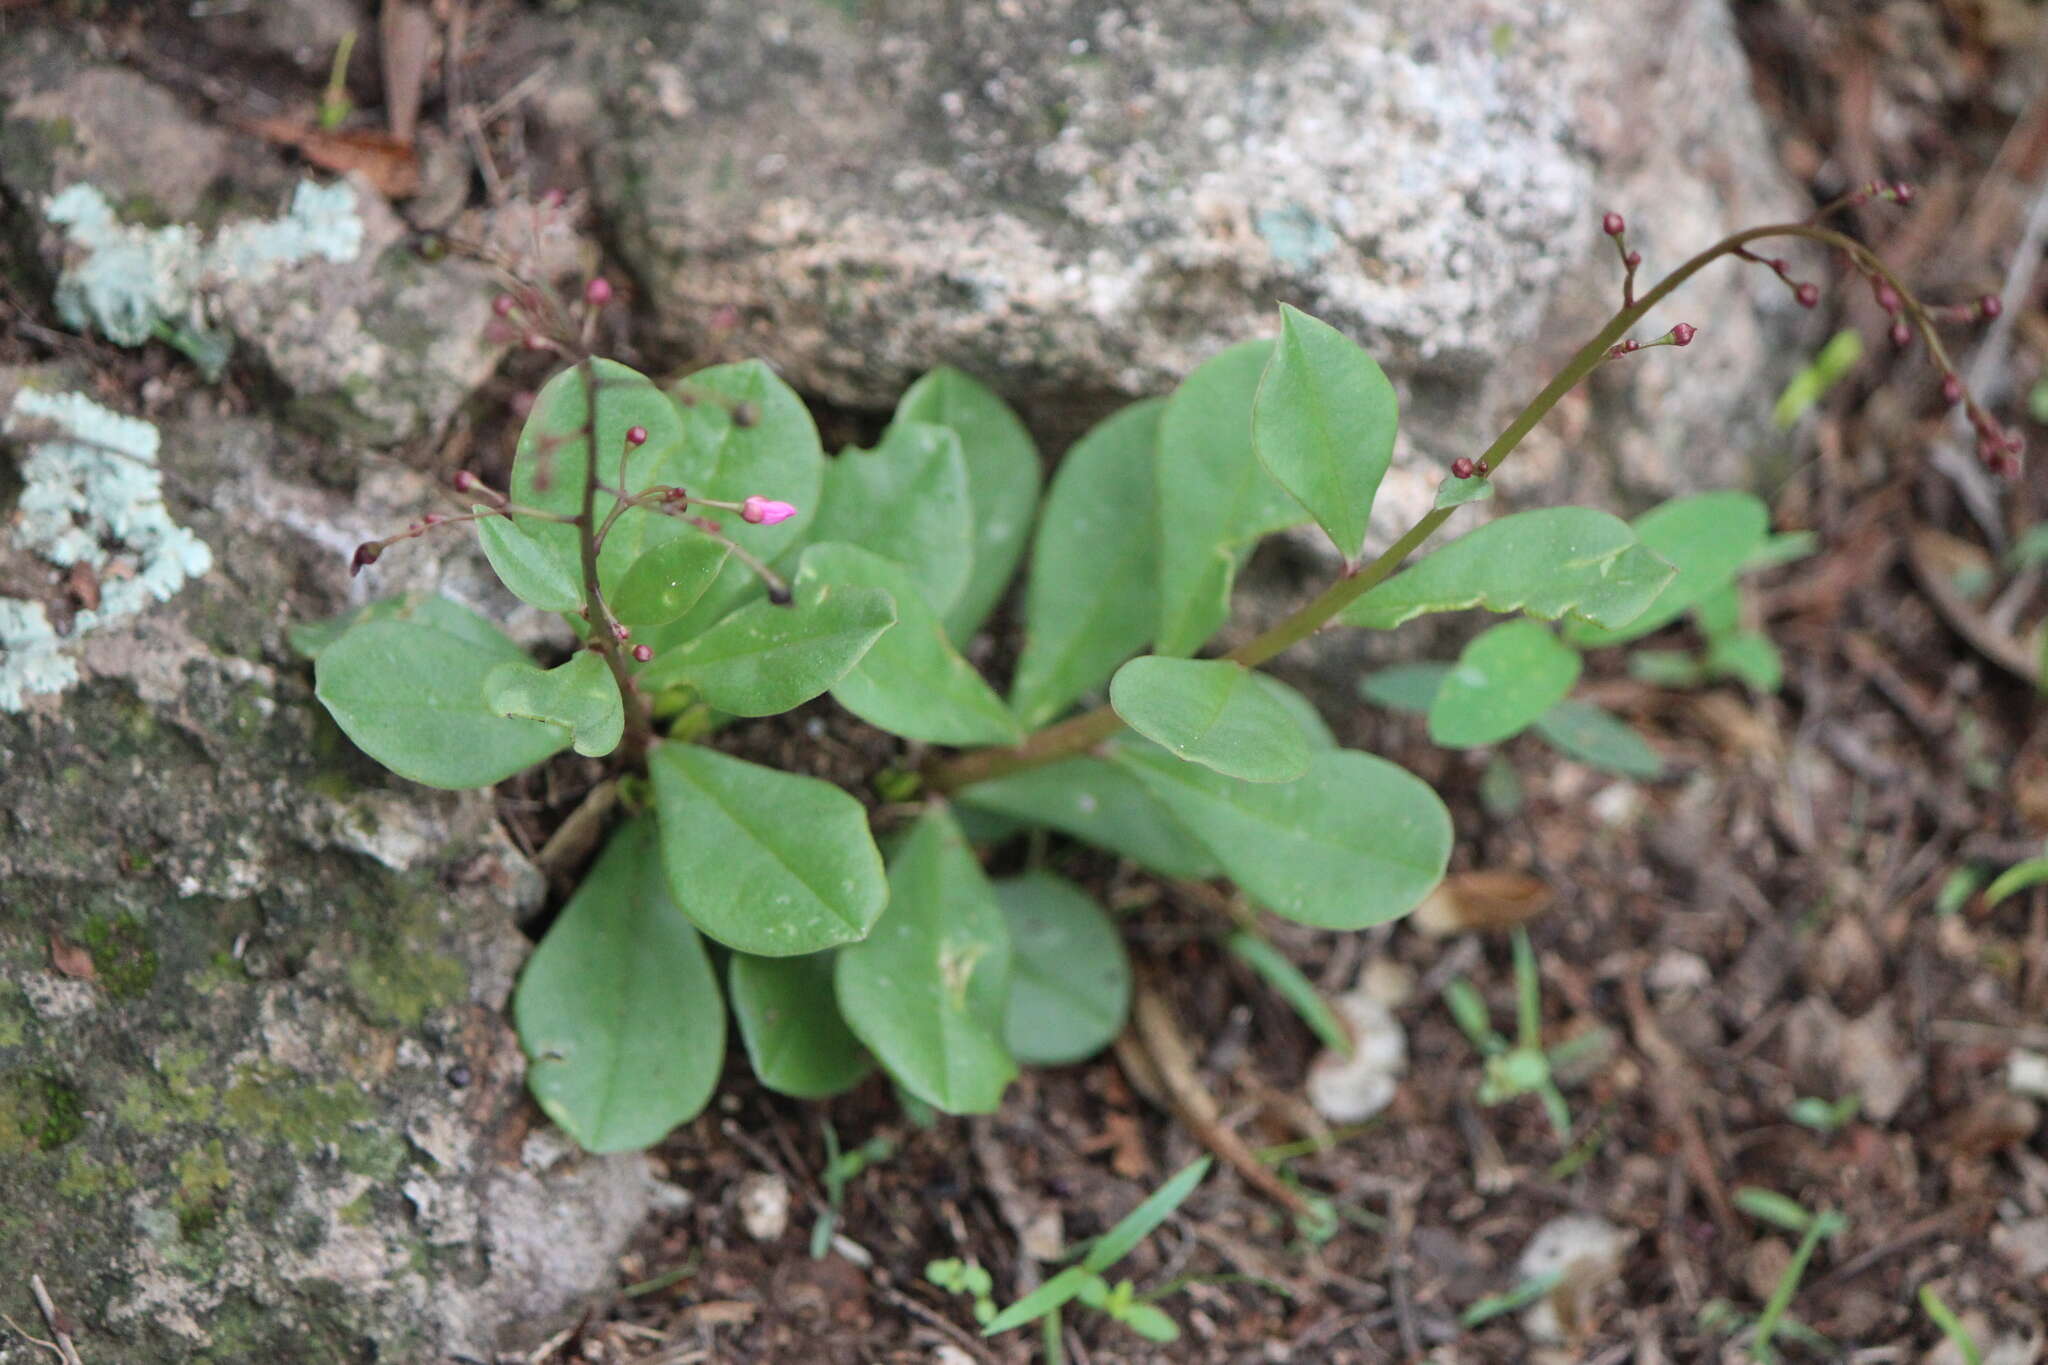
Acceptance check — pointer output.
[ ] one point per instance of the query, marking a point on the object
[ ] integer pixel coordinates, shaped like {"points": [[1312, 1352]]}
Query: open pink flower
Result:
{"points": [[765, 511]]}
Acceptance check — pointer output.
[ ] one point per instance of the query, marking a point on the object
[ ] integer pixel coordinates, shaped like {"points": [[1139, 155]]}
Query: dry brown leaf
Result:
{"points": [[722, 1313], [388, 164], [1991, 1124], [70, 959], [1939, 561], [1483, 901], [1124, 1140]]}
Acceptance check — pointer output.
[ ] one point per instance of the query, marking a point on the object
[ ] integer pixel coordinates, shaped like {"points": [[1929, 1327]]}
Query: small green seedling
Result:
{"points": [[1768, 1206], [1085, 1281], [841, 1167], [1516, 1299], [956, 1276], [1826, 1117], [2019, 877], [335, 105], [1944, 1317], [1522, 1067]]}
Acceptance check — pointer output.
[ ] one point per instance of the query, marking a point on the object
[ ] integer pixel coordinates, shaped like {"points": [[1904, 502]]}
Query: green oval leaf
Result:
{"points": [[553, 458], [1707, 539], [928, 989], [1551, 562], [790, 1023], [1456, 492], [1355, 842], [1323, 425], [912, 682], [1215, 499], [906, 500], [1583, 731], [1508, 675], [580, 696], [618, 1009], [1212, 712], [1070, 982], [1002, 483], [668, 580], [1092, 599], [1405, 687], [528, 569], [763, 659], [410, 692], [767, 862], [745, 433], [309, 638], [1100, 804]]}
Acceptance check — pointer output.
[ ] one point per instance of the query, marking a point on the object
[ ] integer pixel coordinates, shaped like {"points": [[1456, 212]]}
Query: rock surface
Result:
{"points": [[1077, 201], [381, 349], [258, 1097]]}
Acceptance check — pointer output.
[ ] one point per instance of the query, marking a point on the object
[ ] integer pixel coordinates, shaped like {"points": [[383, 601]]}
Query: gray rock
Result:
{"points": [[381, 349], [239, 968], [1078, 201]]}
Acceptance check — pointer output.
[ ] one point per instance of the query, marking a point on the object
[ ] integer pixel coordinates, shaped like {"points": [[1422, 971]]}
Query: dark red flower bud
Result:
{"points": [[1683, 333], [642, 653], [366, 553], [598, 292], [636, 436], [464, 480], [620, 631], [1902, 335], [1482, 469], [1612, 224], [1633, 259], [1461, 468], [1951, 389], [1990, 306], [503, 305], [1807, 294], [435, 518], [778, 593], [1902, 192]]}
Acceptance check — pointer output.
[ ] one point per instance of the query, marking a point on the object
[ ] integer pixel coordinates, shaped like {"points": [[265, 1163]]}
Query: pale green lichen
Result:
{"points": [[133, 283], [92, 495]]}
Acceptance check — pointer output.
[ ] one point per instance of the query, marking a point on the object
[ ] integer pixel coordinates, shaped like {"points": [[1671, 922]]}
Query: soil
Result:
{"points": [[1778, 918]]}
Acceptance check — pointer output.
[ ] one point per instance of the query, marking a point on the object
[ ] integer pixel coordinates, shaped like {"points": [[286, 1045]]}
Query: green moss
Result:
{"points": [[273, 1104], [14, 1015], [86, 1177], [397, 985], [204, 1178], [38, 1112], [121, 955]]}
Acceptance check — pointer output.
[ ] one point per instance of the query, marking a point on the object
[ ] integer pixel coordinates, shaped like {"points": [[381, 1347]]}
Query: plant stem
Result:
{"points": [[639, 723], [1078, 734]]}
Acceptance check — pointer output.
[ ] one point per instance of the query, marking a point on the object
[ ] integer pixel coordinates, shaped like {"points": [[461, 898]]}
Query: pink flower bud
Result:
{"points": [[598, 292], [1683, 333], [761, 511], [1901, 334], [1888, 297], [636, 436], [1612, 224], [535, 341], [1990, 306], [621, 631], [1902, 192], [1461, 468], [642, 653], [503, 305], [1633, 259], [464, 480], [1951, 390], [1808, 295], [555, 198]]}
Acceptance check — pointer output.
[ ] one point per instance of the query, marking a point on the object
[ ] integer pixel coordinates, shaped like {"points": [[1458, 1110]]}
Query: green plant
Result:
{"points": [[841, 1167], [1813, 1229], [713, 566], [1944, 1317], [1120, 1301], [965, 1277], [1524, 1066]]}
